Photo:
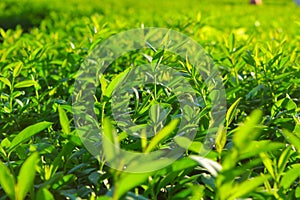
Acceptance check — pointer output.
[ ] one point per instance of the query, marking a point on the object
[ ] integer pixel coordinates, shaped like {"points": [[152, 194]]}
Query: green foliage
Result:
{"points": [[255, 152]]}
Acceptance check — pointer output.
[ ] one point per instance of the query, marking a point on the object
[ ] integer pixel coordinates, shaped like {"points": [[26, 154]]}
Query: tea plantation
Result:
{"points": [[47, 147]]}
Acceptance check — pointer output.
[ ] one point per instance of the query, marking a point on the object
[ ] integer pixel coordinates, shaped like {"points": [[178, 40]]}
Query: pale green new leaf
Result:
{"points": [[7, 181], [231, 112], [268, 163], [5, 81], [248, 131], [27, 133], [292, 138], [221, 139], [109, 140], [127, 181], [24, 84], [247, 186], [115, 82], [64, 121], [162, 134], [26, 176], [283, 159], [44, 194], [290, 176], [17, 69]]}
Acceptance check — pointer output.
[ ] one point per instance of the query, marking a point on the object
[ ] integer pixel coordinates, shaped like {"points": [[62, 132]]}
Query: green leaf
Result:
{"points": [[27, 133], [103, 84], [127, 181], [283, 104], [249, 59], [115, 82], [220, 139], [290, 176], [297, 192], [183, 142], [44, 194], [17, 69], [283, 159], [109, 140], [268, 163], [24, 84], [60, 159], [256, 147], [248, 186], [292, 138], [231, 42], [162, 134], [7, 181], [158, 55], [64, 121], [5, 81], [65, 180], [231, 112], [248, 131], [26, 176]]}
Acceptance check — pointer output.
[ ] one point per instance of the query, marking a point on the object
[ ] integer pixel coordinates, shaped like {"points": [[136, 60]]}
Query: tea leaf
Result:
{"points": [[231, 112], [25, 84], [44, 194], [26, 176], [7, 181], [27, 133], [290, 176], [248, 131], [162, 134], [248, 186], [221, 139], [64, 121], [292, 138]]}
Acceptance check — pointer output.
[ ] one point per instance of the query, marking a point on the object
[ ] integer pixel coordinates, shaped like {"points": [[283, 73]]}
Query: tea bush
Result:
{"points": [[256, 49]]}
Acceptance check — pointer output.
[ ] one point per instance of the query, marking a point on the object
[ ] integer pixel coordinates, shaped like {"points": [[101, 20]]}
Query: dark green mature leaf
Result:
{"points": [[60, 159]]}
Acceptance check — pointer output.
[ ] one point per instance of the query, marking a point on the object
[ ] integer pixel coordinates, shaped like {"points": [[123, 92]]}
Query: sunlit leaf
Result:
{"points": [[290, 176], [64, 121], [162, 134], [27, 133], [7, 181], [44, 194], [26, 176], [24, 84]]}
